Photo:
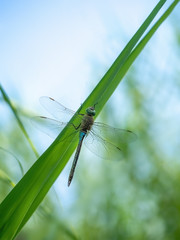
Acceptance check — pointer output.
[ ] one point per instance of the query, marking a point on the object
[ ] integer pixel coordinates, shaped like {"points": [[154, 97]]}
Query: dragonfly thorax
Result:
{"points": [[86, 123]]}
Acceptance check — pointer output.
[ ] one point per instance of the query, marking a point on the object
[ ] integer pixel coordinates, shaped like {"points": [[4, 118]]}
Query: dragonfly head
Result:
{"points": [[91, 111]]}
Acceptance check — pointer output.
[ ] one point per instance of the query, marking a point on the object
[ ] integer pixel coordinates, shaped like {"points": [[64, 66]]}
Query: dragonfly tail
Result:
{"points": [[75, 160]]}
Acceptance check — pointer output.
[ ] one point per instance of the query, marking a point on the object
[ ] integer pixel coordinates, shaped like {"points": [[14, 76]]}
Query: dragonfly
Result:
{"points": [[101, 139]]}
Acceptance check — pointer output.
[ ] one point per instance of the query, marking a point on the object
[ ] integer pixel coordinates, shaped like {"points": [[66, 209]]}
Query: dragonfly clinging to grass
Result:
{"points": [[99, 138]]}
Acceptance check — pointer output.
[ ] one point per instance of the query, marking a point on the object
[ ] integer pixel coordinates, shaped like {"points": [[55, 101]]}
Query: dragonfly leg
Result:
{"points": [[95, 104], [75, 126], [81, 114]]}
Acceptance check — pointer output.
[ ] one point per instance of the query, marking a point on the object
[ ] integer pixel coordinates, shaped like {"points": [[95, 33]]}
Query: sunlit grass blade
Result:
{"points": [[8, 101], [5, 151], [5, 178], [22, 201]]}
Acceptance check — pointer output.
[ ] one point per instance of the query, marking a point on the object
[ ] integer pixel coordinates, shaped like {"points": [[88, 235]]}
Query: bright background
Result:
{"points": [[62, 49]]}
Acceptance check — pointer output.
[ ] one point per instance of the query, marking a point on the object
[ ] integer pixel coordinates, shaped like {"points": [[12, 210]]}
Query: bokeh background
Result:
{"points": [[62, 49]]}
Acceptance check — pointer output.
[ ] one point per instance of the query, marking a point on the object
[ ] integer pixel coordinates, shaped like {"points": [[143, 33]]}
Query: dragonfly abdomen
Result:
{"points": [[81, 137]]}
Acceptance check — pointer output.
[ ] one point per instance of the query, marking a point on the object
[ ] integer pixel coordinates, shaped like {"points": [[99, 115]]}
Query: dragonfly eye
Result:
{"points": [[91, 111]]}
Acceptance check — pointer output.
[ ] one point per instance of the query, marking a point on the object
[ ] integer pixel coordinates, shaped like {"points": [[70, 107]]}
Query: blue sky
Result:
{"points": [[48, 46]]}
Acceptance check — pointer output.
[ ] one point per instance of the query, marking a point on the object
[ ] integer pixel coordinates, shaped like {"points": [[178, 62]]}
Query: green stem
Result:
{"points": [[8, 101]]}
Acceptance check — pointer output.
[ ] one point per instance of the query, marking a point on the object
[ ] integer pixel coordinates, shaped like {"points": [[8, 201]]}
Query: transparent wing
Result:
{"points": [[56, 109], [115, 136], [53, 128], [49, 126], [101, 147]]}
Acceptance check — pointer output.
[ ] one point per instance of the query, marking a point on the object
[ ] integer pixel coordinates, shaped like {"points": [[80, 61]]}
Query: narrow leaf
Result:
{"points": [[7, 100]]}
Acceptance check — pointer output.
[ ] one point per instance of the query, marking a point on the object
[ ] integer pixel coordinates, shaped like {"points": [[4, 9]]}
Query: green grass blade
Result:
{"points": [[22, 201], [3, 174], [5, 151], [7, 100]]}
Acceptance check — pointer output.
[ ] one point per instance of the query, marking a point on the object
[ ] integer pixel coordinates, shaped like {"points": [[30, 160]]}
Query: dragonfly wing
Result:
{"points": [[114, 135], [101, 147], [53, 128], [56, 109], [49, 126]]}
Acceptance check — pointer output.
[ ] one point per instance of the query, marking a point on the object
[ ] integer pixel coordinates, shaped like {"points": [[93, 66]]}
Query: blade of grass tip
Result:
{"points": [[5, 178], [7, 100], [124, 70], [143, 28], [29, 192], [133, 41]]}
